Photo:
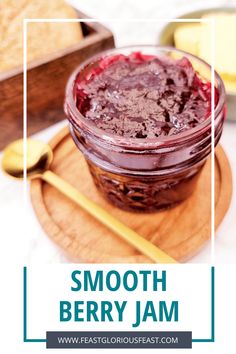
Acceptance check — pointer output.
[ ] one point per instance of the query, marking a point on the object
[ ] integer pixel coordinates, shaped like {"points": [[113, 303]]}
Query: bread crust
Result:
{"points": [[42, 38]]}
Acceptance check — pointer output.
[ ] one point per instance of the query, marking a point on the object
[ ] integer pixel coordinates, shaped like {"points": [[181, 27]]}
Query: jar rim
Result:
{"points": [[147, 143]]}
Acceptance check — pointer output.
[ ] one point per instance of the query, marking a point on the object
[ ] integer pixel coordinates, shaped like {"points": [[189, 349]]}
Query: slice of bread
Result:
{"points": [[42, 38]]}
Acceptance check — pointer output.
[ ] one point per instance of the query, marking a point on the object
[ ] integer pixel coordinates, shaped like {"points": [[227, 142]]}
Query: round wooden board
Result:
{"points": [[180, 232]]}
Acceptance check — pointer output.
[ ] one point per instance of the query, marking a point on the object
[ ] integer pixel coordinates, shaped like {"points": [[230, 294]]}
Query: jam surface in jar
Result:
{"points": [[143, 96]]}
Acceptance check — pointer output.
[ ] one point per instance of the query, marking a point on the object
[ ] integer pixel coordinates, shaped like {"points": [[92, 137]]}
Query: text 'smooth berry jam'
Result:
{"points": [[142, 118]]}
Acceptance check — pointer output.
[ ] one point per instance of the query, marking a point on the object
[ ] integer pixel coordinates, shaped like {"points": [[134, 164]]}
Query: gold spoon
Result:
{"points": [[38, 159]]}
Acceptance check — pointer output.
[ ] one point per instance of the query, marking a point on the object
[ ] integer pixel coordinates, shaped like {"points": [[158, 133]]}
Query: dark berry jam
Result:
{"points": [[143, 96], [153, 114]]}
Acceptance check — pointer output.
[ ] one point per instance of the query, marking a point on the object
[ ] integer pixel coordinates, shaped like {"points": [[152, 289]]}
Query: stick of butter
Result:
{"points": [[187, 38], [196, 39], [225, 49]]}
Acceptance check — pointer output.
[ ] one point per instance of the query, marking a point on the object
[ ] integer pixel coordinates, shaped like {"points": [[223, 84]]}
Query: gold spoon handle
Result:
{"points": [[129, 235]]}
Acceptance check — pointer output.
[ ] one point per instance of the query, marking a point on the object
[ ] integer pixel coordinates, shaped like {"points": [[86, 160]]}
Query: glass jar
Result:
{"points": [[144, 174]]}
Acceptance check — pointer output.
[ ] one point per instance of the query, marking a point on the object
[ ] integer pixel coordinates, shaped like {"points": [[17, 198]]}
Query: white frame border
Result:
{"points": [[208, 20]]}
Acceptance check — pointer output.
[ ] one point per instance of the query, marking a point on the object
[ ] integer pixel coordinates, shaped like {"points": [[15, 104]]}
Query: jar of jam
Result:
{"points": [[141, 116]]}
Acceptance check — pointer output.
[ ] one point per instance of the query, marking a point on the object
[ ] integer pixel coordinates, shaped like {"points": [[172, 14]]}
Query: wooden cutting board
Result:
{"points": [[181, 231]]}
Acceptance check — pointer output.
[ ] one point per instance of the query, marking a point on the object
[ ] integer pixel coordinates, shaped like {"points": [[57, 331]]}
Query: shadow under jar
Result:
{"points": [[141, 116]]}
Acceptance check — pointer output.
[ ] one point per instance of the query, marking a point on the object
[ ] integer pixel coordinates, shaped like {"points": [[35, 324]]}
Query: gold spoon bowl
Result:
{"points": [[38, 159]]}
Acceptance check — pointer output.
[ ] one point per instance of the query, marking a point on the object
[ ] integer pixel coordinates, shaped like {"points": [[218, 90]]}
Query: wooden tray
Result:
{"points": [[47, 76], [180, 231]]}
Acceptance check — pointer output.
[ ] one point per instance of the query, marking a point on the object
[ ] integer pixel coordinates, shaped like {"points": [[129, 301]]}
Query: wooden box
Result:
{"points": [[46, 80]]}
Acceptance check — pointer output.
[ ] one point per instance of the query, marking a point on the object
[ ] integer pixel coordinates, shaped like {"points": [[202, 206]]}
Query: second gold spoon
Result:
{"points": [[38, 159]]}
